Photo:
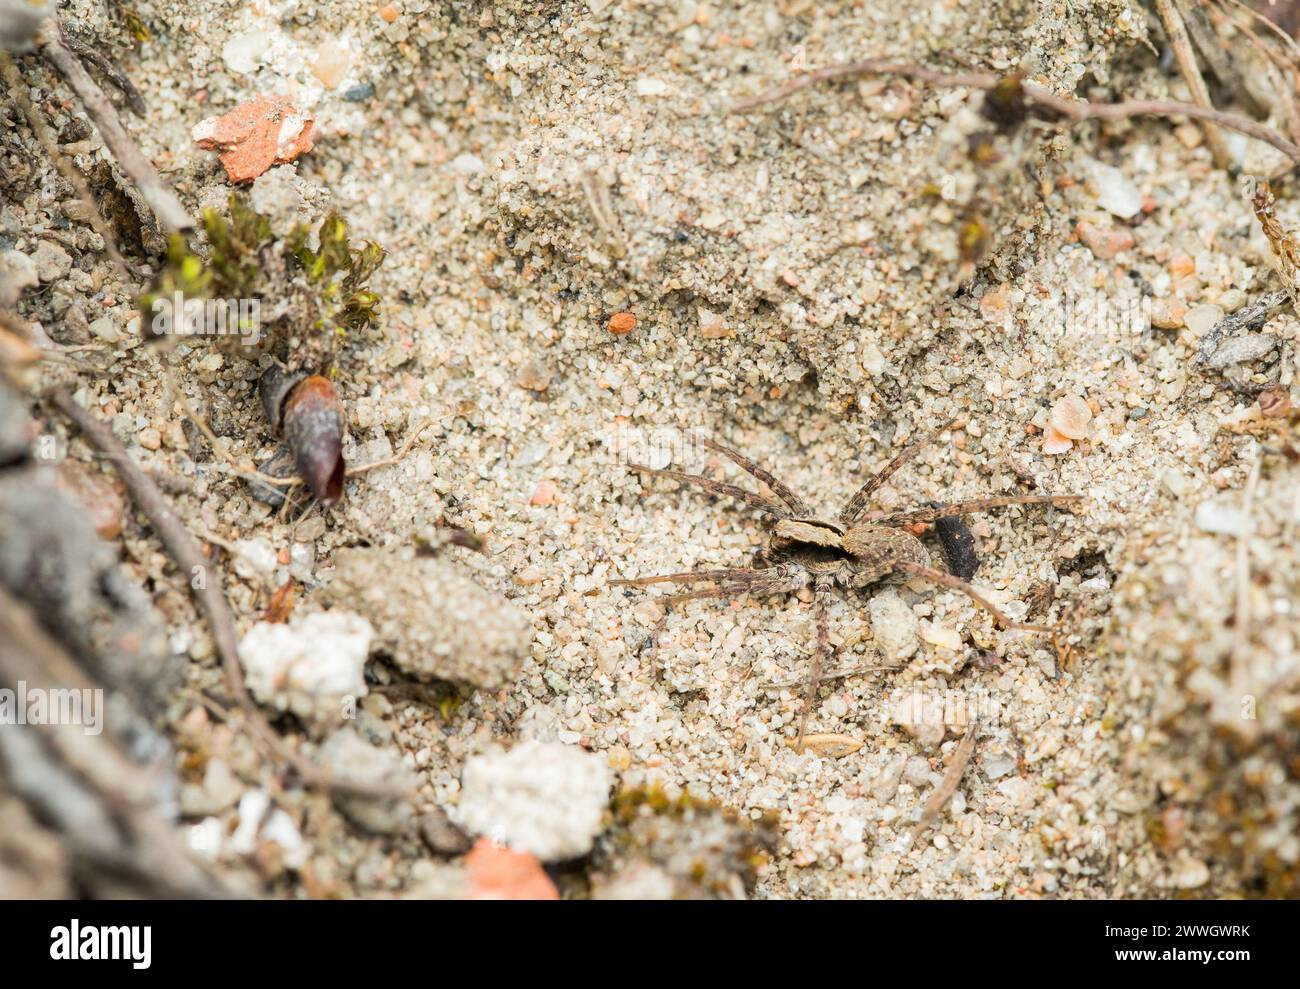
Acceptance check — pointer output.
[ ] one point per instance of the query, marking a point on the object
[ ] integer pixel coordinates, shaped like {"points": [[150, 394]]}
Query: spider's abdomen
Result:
{"points": [[875, 549]]}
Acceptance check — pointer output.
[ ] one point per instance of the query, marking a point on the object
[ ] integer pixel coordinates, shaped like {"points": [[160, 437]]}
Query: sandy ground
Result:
{"points": [[798, 294]]}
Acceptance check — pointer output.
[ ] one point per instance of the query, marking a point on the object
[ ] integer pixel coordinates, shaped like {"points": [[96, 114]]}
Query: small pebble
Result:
{"points": [[51, 261], [1175, 482], [651, 87], [1191, 874], [1115, 193], [1201, 319], [255, 135], [893, 627], [333, 59], [713, 326], [308, 666], [1168, 314], [1104, 242], [1242, 350], [535, 377], [544, 493], [499, 873], [1225, 520], [940, 635], [105, 328], [545, 798], [1070, 417], [917, 771], [621, 322], [1274, 403], [1055, 443], [1232, 300]]}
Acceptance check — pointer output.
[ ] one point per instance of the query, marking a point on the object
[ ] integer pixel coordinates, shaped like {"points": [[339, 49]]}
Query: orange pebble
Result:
{"points": [[1054, 442], [621, 322], [499, 873], [389, 12], [544, 493]]}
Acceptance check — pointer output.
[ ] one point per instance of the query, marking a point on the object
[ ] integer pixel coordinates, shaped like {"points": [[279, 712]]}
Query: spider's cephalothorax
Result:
{"points": [[850, 551], [858, 557]]}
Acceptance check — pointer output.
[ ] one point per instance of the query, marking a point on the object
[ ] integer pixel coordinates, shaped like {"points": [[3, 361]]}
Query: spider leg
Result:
{"points": [[970, 507], [820, 590], [744, 463], [858, 503], [718, 487], [747, 581], [956, 584], [687, 577]]}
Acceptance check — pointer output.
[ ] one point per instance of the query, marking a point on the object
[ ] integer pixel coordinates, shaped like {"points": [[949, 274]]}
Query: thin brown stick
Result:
{"points": [[1176, 32], [833, 675], [142, 844], [45, 137], [87, 52], [189, 558], [1287, 73], [397, 457], [171, 214], [951, 780], [1075, 110]]}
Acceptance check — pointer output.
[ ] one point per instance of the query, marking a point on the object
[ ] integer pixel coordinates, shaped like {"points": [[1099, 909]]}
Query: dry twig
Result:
{"points": [[45, 137], [1075, 110], [951, 780], [171, 214], [1181, 44], [104, 804]]}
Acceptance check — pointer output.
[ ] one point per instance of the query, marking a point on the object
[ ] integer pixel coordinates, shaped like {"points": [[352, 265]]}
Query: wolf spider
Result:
{"points": [[852, 551]]}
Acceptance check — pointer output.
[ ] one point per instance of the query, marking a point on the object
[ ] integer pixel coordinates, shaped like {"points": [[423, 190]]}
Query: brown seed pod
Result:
{"points": [[274, 387], [313, 430]]}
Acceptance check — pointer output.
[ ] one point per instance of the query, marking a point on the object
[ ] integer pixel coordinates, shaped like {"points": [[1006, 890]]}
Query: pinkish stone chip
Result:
{"points": [[265, 131]]}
